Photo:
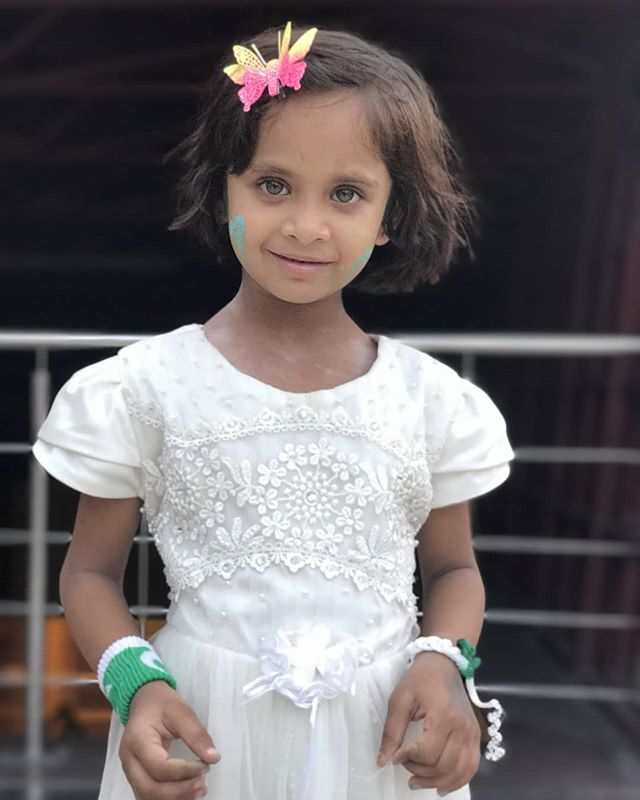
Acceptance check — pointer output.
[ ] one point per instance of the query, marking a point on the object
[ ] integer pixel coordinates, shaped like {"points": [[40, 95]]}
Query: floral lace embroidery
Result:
{"points": [[309, 502], [297, 418]]}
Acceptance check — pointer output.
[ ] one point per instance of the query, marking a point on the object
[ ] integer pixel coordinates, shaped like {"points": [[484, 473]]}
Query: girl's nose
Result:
{"points": [[306, 224]]}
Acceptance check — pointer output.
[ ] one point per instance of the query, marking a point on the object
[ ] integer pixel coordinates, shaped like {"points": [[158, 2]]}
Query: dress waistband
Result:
{"points": [[290, 660]]}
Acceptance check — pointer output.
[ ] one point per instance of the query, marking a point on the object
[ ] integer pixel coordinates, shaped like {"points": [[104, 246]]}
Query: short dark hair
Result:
{"points": [[429, 213]]}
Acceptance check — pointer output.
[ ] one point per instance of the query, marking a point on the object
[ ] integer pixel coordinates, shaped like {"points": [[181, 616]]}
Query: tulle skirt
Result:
{"points": [[269, 750]]}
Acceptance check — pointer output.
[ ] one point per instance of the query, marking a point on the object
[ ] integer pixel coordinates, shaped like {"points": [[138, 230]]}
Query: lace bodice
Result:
{"points": [[239, 475]]}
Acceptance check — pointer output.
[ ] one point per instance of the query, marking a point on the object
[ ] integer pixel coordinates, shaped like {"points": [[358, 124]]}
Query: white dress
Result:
{"points": [[287, 524]]}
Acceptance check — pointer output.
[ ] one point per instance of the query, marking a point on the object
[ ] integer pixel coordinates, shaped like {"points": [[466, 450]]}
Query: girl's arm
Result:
{"points": [[447, 755], [453, 595], [93, 571], [97, 613]]}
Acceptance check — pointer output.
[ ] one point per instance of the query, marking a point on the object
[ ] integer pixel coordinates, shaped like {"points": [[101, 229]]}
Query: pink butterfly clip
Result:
{"points": [[255, 74]]}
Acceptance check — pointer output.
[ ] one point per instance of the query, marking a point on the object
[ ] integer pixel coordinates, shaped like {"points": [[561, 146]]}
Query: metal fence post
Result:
{"points": [[37, 582]]}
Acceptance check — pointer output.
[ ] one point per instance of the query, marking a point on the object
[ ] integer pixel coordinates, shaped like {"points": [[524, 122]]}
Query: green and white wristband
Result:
{"points": [[124, 667]]}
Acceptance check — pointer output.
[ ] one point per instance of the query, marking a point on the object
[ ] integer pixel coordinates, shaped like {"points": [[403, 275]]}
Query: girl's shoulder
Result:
{"points": [[467, 434], [451, 403], [158, 372], [427, 374], [161, 345], [162, 360]]}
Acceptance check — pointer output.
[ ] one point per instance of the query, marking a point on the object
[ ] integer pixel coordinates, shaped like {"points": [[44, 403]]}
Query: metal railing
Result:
{"points": [[469, 347]]}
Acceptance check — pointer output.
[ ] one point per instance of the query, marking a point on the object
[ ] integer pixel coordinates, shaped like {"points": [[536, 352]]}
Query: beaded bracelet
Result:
{"points": [[464, 656], [124, 667]]}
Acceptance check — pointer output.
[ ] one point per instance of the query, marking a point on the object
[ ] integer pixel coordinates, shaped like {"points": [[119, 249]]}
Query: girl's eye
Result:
{"points": [[350, 191], [273, 187], [269, 184]]}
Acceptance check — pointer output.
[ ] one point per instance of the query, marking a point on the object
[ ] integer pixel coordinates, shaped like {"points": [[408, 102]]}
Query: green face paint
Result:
{"points": [[236, 232], [360, 262]]}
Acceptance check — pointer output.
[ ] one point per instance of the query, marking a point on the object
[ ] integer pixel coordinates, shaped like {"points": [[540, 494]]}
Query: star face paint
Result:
{"points": [[236, 232], [353, 270]]}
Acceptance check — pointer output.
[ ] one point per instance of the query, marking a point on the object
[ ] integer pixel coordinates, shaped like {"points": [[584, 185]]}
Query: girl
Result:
{"points": [[288, 463]]}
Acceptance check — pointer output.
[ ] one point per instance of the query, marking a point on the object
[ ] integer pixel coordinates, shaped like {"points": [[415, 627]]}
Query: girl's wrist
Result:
{"points": [[125, 667], [433, 661], [153, 692]]}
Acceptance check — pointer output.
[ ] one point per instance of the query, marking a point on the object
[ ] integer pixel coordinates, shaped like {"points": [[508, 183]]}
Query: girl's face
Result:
{"points": [[315, 190]]}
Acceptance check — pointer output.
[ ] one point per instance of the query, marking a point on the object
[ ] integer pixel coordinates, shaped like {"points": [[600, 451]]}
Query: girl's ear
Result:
{"points": [[220, 212], [382, 237]]}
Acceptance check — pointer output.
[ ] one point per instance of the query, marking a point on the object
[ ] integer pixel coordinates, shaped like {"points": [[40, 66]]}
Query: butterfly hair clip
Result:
{"points": [[255, 74]]}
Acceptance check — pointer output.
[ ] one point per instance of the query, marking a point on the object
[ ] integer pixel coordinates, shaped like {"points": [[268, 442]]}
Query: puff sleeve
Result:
{"points": [[476, 452], [87, 440]]}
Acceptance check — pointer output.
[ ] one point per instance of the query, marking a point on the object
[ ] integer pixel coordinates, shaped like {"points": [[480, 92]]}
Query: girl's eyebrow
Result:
{"points": [[287, 173]]}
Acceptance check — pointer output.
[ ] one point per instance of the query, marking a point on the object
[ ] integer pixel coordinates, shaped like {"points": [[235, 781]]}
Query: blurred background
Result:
{"points": [[543, 101]]}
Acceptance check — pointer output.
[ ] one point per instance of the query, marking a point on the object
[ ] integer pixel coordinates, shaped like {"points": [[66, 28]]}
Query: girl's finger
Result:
{"points": [[446, 764], [183, 723], [459, 778], [453, 751], [428, 749], [420, 770], [148, 789], [150, 752], [466, 769]]}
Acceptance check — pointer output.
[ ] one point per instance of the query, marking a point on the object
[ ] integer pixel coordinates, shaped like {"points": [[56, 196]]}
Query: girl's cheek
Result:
{"points": [[353, 270], [237, 232]]}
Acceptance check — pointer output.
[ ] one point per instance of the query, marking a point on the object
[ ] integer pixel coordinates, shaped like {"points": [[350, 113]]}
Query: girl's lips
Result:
{"points": [[299, 268], [289, 257]]}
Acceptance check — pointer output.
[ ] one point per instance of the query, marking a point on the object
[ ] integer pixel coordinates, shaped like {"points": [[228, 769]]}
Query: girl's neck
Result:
{"points": [[255, 312]]}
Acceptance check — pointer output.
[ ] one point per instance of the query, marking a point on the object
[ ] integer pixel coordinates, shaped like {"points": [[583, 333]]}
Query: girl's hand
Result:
{"points": [[448, 754], [157, 716]]}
